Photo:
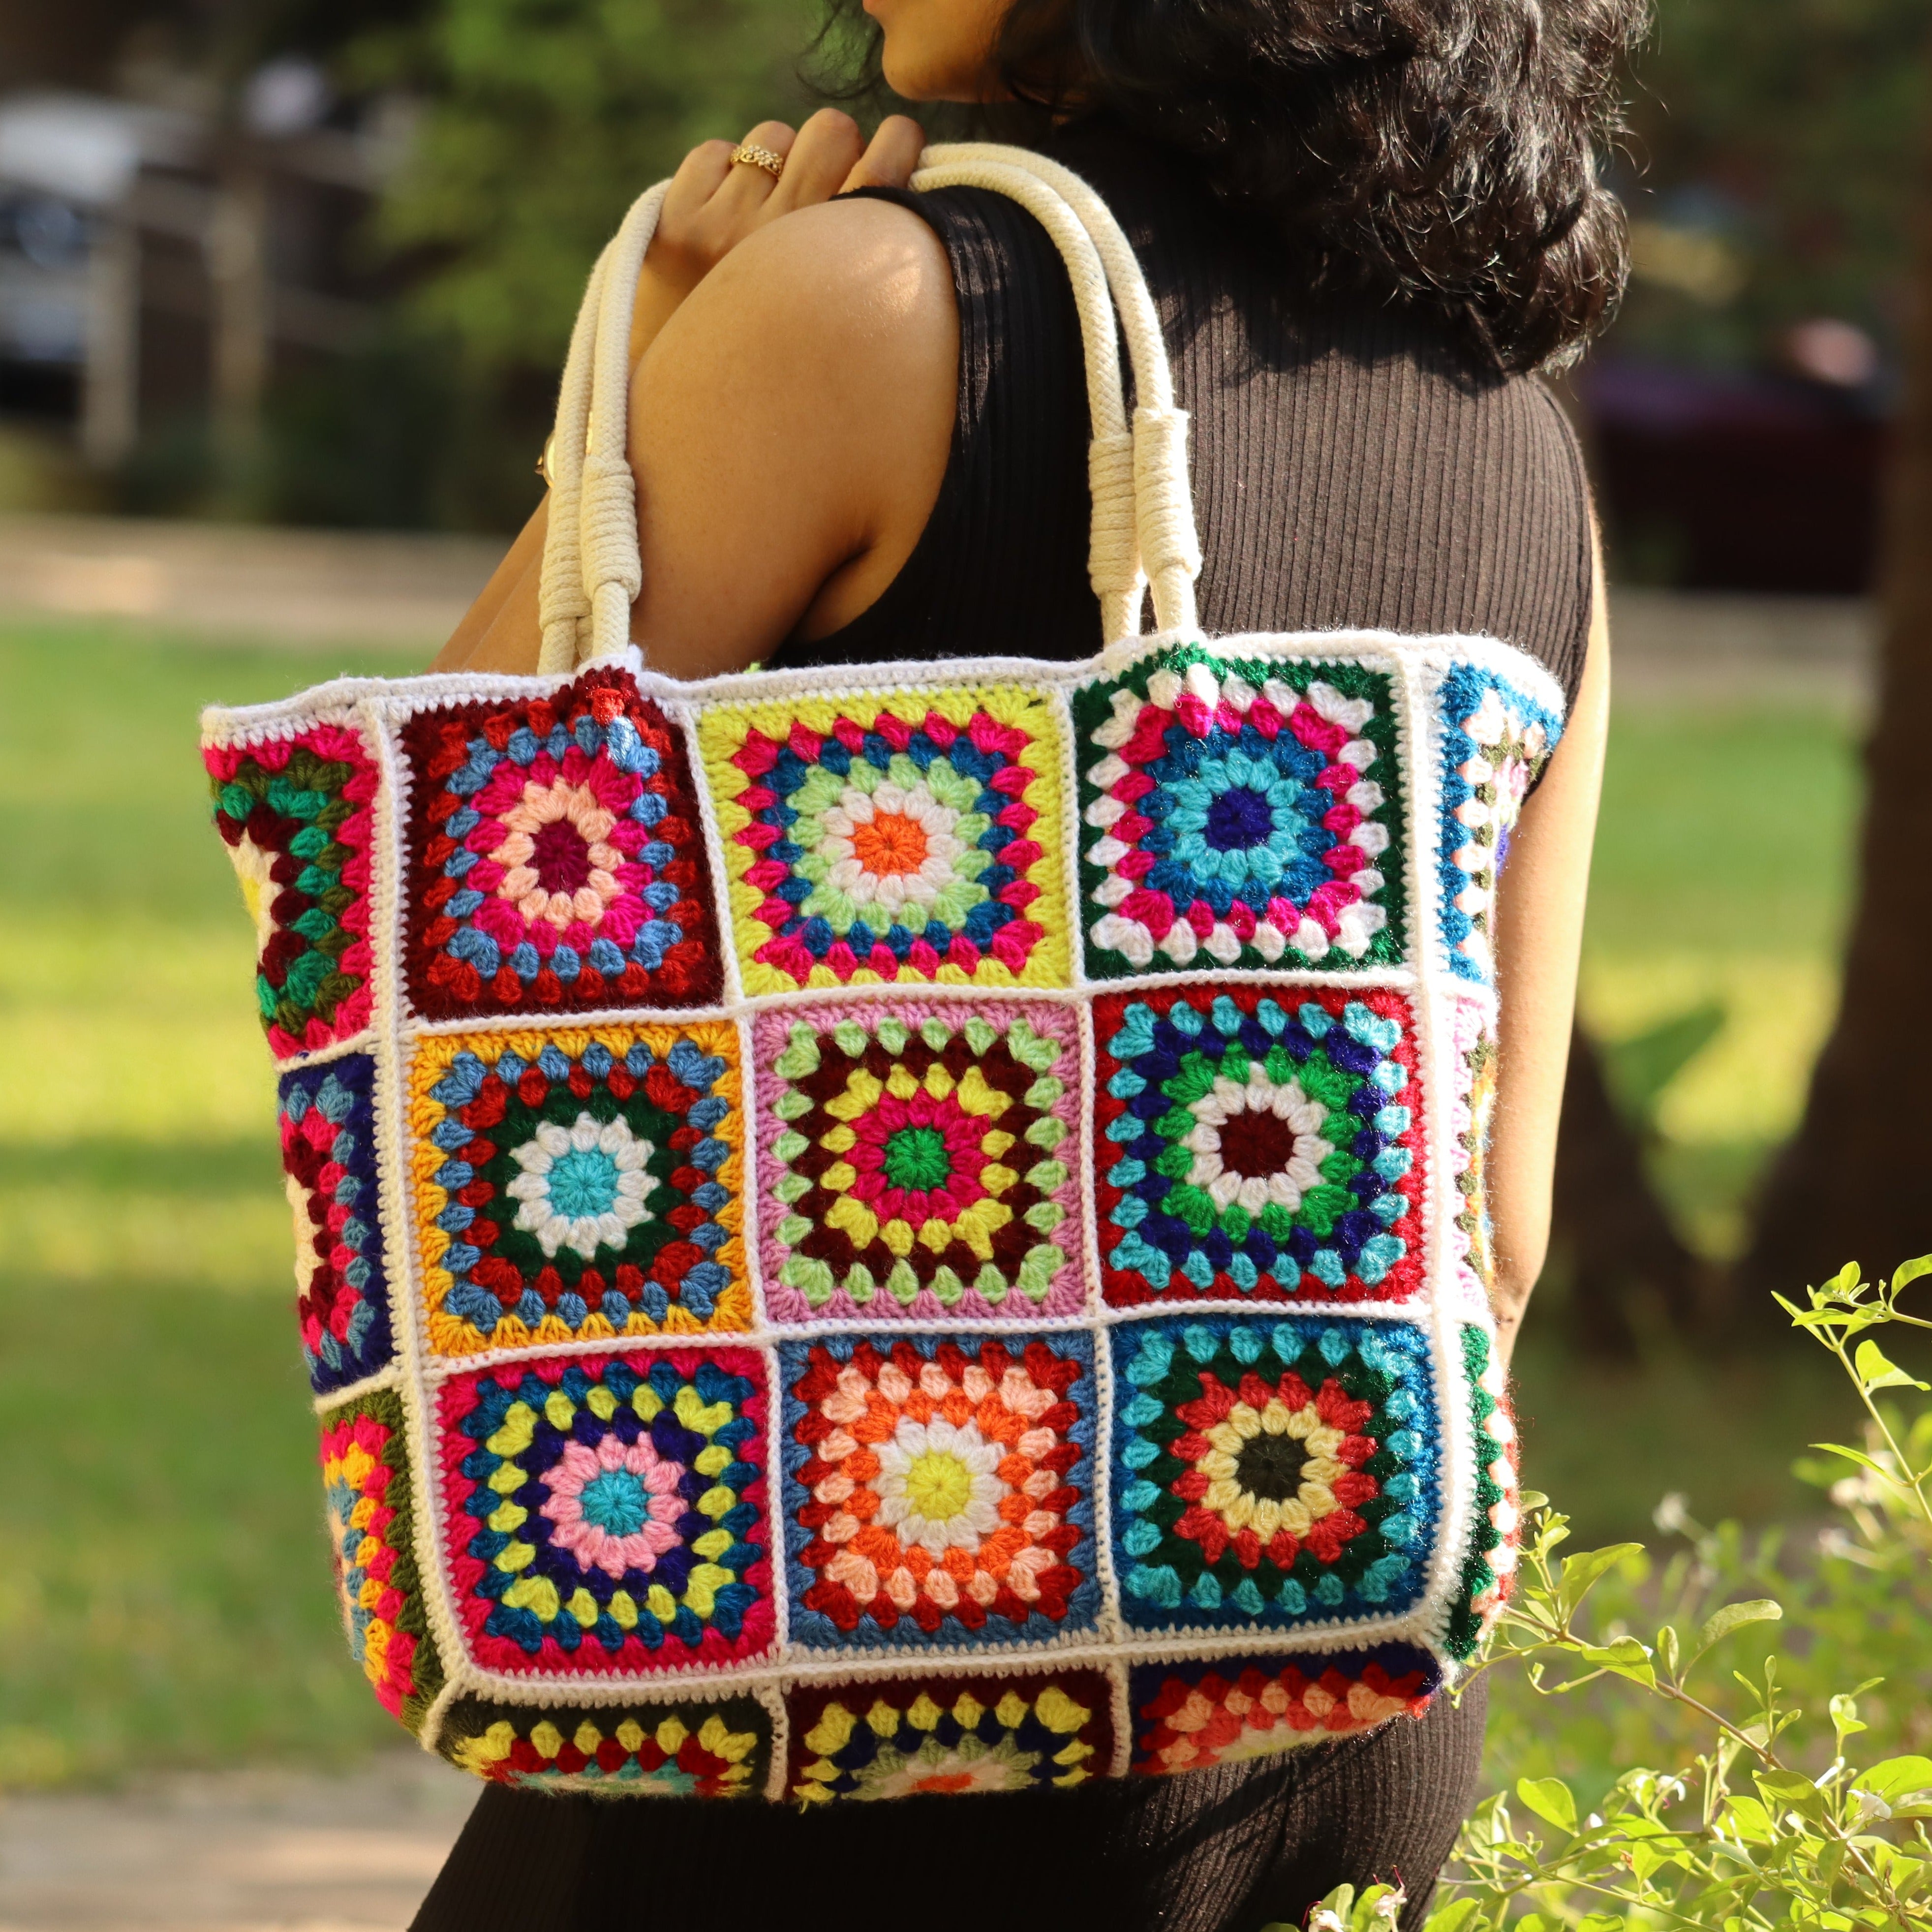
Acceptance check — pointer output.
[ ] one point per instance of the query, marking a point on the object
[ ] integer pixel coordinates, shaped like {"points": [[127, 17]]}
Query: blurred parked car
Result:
{"points": [[1712, 481]]}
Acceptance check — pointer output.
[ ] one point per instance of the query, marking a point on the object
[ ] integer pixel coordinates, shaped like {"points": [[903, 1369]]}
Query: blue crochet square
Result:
{"points": [[328, 1155], [1272, 1474], [1495, 742], [1240, 812]]}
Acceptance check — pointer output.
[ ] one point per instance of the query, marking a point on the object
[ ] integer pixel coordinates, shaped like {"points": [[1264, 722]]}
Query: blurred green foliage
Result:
{"points": [[1774, 147], [1749, 1720], [546, 119], [1778, 147], [1700, 911], [166, 1598]]}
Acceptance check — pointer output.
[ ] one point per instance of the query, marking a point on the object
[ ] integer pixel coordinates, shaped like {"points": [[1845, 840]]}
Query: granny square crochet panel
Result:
{"points": [[901, 1230]]}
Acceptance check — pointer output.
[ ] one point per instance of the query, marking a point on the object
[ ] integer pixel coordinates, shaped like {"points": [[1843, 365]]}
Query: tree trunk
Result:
{"points": [[1855, 1181], [1606, 1223]]}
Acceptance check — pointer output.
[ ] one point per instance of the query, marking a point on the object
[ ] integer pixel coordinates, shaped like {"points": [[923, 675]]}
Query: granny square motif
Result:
{"points": [[881, 840], [1272, 1473], [607, 1517], [1261, 1143], [328, 1155], [1472, 1100], [713, 1749], [920, 1161], [912, 1230], [1495, 739], [579, 1183], [367, 1494], [554, 858], [939, 1487], [294, 813], [927, 1736], [1188, 1716], [1240, 813]]}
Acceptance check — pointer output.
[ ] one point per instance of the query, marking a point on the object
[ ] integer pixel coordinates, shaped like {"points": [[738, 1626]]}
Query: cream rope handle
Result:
{"points": [[1142, 506], [561, 601], [592, 572], [1113, 555], [1169, 546]]}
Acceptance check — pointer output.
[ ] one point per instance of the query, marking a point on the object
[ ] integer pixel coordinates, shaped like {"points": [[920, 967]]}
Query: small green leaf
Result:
{"points": [[1846, 1281], [1876, 1371], [1786, 1790], [1735, 1616], [1626, 1656], [1845, 1721], [1666, 1647], [1908, 1272], [1582, 1572], [1338, 1903], [1377, 1907], [1905, 1784], [1550, 1798], [1858, 1456], [1454, 1917], [1646, 1859]]}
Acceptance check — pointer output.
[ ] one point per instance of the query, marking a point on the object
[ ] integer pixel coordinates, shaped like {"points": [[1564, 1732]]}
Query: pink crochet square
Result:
{"points": [[920, 1161]]}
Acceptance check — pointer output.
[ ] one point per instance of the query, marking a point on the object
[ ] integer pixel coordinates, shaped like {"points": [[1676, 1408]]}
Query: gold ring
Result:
{"points": [[754, 156]]}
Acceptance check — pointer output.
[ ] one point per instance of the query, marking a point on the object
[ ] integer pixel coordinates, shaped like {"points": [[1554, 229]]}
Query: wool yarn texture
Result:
{"points": [[899, 1229], [923, 1237]]}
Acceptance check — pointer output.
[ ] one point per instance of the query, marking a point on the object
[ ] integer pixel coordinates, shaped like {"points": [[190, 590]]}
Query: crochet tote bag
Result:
{"points": [[911, 1229]]}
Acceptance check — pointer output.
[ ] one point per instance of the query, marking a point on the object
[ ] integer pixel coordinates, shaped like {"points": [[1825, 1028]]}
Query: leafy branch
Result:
{"points": [[1755, 1829], [1844, 1308]]}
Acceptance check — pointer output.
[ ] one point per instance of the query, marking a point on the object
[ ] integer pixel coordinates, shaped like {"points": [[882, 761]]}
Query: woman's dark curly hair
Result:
{"points": [[1440, 152]]}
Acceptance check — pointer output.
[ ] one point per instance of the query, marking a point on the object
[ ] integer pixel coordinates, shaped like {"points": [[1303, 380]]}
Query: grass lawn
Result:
{"points": [[167, 1599], [1722, 879]]}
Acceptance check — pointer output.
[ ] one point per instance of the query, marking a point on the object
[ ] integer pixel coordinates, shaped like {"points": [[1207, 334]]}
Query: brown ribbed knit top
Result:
{"points": [[1352, 467]]}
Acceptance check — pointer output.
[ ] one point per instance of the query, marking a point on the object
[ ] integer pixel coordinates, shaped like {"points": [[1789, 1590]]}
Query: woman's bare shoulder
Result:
{"points": [[847, 279], [813, 373]]}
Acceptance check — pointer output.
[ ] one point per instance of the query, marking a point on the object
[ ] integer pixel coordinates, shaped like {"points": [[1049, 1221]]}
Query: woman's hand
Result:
{"points": [[714, 202], [712, 205]]}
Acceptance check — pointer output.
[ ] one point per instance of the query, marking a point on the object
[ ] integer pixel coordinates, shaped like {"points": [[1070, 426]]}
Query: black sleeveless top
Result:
{"points": [[1351, 468]]}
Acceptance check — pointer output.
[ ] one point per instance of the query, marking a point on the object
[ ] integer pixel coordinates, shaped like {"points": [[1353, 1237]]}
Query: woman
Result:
{"points": [[859, 433]]}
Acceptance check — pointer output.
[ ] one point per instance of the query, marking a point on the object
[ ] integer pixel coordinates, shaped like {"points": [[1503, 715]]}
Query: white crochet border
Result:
{"points": [[376, 707]]}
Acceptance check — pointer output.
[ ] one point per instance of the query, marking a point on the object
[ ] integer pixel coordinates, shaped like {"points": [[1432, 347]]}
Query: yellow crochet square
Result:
{"points": [[907, 836], [576, 1183]]}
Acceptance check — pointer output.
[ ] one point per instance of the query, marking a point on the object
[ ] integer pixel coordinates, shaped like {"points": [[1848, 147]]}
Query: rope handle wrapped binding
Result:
{"points": [[1143, 535]]}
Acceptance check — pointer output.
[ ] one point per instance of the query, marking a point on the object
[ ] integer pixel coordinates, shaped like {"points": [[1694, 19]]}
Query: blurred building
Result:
{"points": [[156, 262]]}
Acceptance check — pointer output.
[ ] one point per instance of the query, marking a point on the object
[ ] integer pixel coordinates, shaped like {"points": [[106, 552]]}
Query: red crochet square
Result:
{"points": [[555, 862]]}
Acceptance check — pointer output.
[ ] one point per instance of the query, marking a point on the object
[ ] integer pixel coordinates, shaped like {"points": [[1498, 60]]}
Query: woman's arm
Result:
{"points": [[713, 207], [1539, 938]]}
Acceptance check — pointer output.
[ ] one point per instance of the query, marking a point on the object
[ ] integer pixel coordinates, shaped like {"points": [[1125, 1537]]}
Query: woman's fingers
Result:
{"points": [[827, 148], [715, 202], [699, 176], [890, 159]]}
